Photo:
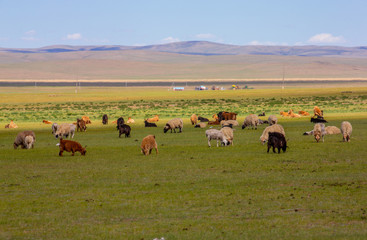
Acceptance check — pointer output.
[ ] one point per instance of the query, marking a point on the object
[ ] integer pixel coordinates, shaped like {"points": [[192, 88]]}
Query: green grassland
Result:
{"points": [[187, 191]]}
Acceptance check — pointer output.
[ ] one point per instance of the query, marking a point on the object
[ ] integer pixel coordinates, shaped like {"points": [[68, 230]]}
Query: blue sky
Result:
{"points": [[37, 23]]}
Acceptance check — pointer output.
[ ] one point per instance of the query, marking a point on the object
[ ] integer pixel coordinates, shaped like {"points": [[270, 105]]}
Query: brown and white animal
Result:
{"points": [[173, 124], [86, 120], [215, 134], [251, 120], [104, 119], [25, 139], [153, 119], [194, 119], [46, 122], [148, 144], [65, 130], [11, 125], [277, 140], [319, 131], [272, 120], [273, 128], [71, 146], [130, 120], [346, 129], [329, 130], [81, 125]]}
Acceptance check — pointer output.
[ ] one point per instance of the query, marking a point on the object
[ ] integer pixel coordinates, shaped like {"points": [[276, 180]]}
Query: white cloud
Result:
{"points": [[205, 36], [326, 38], [74, 36], [170, 40], [29, 35]]}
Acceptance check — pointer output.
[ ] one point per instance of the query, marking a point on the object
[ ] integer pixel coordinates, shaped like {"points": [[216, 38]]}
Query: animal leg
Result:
{"points": [[274, 149], [72, 152], [119, 134], [278, 150], [209, 142], [156, 150], [180, 129], [268, 149], [60, 153]]}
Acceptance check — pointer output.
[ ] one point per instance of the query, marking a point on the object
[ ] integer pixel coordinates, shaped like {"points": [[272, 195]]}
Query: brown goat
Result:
{"points": [[148, 144], [81, 124], [71, 146]]}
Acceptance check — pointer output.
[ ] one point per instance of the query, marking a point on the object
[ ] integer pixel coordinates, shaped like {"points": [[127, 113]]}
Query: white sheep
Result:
{"points": [[234, 123], [29, 141], [346, 129], [273, 128], [228, 134], [319, 131], [214, 134], [251, 120], [272, 120], [65, 130], [173, 124], [330, 130]]}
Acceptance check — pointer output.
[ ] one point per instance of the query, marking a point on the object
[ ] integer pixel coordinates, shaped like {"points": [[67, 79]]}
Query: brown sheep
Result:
{"points": [[20, 139], [71, 146], [148, 144]]}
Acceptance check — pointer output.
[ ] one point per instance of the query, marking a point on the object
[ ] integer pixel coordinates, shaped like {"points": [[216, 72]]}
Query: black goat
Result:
{"points": [[105, 119], [148, 124], [120, 122], [124, 129], [277, 140], [262, 114], [203, 119], [318, 120]]}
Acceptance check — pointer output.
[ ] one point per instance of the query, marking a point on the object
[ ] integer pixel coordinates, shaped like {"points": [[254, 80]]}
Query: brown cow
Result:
{"points": [[71, 146], [81, 125]]}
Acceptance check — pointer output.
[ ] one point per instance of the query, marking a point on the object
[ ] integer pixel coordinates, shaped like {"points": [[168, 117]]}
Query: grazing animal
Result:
{"points": [[28, 142], [81, 125], [173, 124], [120, 122], [54, 128], [46, 122], [273, 128], [65, 129], [251, 120], [215, 134], [71, 146], [194, 119], [104, 119], [20, 140], [228, 134], [319, 131], [153, 119], [272, 120], [234, 123], [277, 140], [124, 129], [201, 125], [346, 129], [130, 120], [86, 120], [148, 144], [318, 120], [203, 119], [261, 114], [303, 113], [148, 124]]}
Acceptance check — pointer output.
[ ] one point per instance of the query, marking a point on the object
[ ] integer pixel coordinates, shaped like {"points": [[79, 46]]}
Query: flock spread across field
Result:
{"points": [[274, 134]]}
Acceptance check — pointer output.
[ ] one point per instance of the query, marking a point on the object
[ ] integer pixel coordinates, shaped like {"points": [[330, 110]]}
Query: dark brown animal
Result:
{"points": [[81, 125], [148, 124], [19, 140], [226, 116], [105, 119], [277, 140], [201, 119], [318, 120], [120, 122], [216, 122], [71, 146], [124, 129]]}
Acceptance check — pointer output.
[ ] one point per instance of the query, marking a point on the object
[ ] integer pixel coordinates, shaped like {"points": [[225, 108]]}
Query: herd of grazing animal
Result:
{"points": [[274, 134]]}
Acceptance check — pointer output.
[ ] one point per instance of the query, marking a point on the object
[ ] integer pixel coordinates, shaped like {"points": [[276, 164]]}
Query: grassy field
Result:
{"points": [[187, 191]]}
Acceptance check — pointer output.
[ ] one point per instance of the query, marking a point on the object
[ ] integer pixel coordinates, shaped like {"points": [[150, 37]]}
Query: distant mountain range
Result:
{"points": [[209, 48]]}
